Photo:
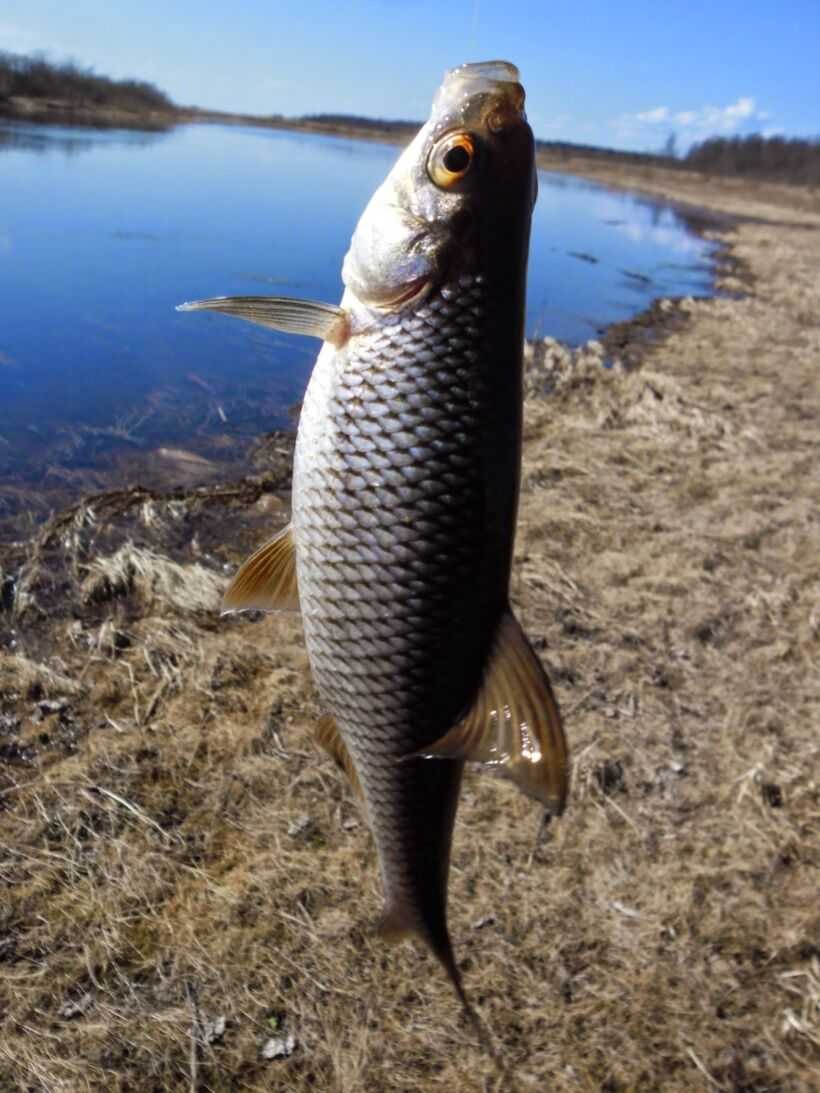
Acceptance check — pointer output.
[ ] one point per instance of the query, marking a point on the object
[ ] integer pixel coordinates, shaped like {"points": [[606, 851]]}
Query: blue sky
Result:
{"points": [[623, 73]]}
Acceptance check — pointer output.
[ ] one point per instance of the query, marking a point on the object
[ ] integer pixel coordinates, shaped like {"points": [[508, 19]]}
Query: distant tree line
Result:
{"points": [[773, 158], [352, 121], [779, 159], [564, 149], [35, 77]]}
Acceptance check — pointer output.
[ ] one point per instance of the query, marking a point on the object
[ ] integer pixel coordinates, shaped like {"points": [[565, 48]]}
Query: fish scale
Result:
{"points": [[405, 492], [377, 636]]}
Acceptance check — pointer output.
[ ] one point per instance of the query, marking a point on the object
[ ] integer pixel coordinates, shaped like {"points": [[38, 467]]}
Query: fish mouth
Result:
{"points": [[491, 88], [488, 71]]}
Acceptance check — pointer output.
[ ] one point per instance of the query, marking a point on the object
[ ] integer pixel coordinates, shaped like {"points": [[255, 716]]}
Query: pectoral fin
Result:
{"points": [[316, 320], [514, 724], [329, 738], [267, 580]]}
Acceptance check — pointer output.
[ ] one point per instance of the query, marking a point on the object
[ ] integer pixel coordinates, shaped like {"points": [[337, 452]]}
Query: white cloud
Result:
{"points": [[742, 113], [652, 117], [743, 108]]}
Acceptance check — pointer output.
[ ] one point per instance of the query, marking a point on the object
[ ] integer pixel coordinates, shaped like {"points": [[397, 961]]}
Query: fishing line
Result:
{"points": [[474, 27]]}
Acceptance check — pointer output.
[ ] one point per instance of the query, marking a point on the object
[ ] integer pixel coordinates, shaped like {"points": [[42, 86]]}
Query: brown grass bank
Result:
{"points": [[188, 884]]}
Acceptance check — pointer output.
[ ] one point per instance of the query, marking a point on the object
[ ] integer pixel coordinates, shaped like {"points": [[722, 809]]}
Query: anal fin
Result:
{"points": [[514, 725], [395, 925], [267, 580], [330, 739]]}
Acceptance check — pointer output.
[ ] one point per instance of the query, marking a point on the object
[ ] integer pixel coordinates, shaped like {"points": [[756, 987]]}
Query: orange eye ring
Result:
{"points": [[451, 159]]}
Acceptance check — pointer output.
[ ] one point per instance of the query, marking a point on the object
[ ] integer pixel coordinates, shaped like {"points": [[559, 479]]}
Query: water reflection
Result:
{"points": [[43, 139], [665, 234], [626, 250]]}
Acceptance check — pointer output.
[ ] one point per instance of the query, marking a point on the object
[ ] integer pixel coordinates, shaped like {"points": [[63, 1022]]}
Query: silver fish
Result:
{"points": [[405, 491]]}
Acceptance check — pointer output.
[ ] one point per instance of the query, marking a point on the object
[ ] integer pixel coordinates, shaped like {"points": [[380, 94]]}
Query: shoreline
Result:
{"points": [[166, 806], [180, 469], [84, 115], [728, 195], [170, 468]]}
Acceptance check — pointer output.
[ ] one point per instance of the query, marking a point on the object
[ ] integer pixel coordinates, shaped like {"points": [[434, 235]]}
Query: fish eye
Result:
{"points": [[451, 159]]}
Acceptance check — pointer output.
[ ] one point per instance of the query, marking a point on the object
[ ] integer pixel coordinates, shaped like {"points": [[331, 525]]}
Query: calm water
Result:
{"points": [[103, 232]]}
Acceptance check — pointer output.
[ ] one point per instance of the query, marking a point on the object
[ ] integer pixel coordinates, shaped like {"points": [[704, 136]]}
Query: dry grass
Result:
{"points": [[175, 852]]}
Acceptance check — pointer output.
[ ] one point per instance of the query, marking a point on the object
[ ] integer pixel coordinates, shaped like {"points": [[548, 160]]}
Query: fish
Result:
{"points": [[405, 493]]}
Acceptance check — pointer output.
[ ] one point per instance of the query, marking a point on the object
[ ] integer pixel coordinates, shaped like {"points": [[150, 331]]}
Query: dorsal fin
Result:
{"points": [[267, 580], [514, 724], [325, 321]]}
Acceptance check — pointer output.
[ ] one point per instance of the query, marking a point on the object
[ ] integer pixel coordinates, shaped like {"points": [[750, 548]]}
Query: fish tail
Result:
{"points": [[446, 957], [399, 923], [482, 1032], [395, 925], [443, 949]]}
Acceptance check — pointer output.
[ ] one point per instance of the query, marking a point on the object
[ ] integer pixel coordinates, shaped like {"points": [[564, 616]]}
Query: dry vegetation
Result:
{"points": [[189, 884]]}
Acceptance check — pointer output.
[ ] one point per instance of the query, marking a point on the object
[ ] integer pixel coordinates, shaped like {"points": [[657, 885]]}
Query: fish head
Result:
{"points": [[459, 198]]}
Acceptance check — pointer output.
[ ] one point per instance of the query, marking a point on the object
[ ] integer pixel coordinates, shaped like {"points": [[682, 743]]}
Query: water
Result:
{"points": [[103, 232]]}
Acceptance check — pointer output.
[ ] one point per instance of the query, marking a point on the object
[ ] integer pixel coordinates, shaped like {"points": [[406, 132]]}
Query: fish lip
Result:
{"points": [[488, 86], [497, 71]]}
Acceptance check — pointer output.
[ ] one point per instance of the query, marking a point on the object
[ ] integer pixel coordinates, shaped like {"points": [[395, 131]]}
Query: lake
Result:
{"points": [[103, 232]]}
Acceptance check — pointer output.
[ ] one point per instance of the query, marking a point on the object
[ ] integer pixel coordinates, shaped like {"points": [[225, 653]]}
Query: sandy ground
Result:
{"points": [[189, 886]]}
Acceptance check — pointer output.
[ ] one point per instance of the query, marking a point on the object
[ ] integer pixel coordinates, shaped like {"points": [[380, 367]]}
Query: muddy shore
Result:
{"points": [[189, 884]]}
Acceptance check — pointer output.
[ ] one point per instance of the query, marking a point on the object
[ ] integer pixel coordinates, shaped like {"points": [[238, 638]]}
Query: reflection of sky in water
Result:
{"points": [[599, 256], [664, 235], [103, 232]]}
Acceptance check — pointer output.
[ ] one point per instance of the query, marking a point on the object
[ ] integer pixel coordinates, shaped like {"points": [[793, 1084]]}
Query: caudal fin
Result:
{"points": [[397, 925]]}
